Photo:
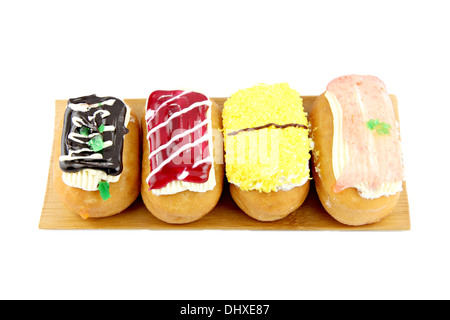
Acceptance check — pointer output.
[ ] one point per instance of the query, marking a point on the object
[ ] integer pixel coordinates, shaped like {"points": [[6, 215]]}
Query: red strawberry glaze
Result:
{"points": [[177, 127]]}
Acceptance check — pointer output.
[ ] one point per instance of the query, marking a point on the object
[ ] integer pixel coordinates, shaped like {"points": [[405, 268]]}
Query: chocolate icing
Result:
{"points": [[111, 162], [269, 125]]}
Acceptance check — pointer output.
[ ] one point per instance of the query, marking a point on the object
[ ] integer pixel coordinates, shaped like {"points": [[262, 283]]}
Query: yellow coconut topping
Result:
{"points": [[269, 158]]}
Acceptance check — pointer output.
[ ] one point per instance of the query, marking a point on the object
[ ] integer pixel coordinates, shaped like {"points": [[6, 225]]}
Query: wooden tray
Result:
{"points": [[225, 216]]}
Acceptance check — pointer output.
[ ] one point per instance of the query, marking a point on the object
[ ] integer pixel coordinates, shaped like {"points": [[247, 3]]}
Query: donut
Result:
{"points": [[182, 159], [358, 166], [267, 150], [97, 169]]}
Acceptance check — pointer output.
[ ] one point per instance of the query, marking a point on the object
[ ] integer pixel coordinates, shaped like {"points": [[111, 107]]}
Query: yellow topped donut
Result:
{"points": [[266, 138]]}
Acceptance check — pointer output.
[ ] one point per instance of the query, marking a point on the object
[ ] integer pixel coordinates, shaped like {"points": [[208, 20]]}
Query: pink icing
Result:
{"points": [[374, 158]]}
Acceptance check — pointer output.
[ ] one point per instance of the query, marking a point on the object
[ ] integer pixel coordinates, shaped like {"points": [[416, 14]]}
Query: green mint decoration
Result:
{"points": [[96, 143], [383, 128], [103, 187], [101, 128], [85, 131], [372, 123], [380, 127]]}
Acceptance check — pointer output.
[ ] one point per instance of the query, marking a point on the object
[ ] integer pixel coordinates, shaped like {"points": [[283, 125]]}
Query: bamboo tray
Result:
{"points": [[225, 216]]}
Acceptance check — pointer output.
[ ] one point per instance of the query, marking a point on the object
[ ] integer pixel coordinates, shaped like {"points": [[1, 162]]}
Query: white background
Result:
{"points": [[59, 49]]}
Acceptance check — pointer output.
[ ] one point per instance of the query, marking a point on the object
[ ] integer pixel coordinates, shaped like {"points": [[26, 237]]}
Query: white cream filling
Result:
{"points": [[341, 156], [286, 186], [88, 179], [177, 186], [286, 183]]}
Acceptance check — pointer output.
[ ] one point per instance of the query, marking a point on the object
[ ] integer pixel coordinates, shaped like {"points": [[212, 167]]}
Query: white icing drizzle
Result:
{"points": [[104, 114], [84, 107], [180, 185], [88, 179], [182, 175], [151, 113], [172, 156], [94, 155], [177, 114], [207, 159], [78, 122], [185, 133]]}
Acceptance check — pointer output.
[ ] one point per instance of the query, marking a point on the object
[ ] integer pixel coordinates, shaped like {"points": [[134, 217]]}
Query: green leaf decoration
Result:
{"points": [[103, 187], [96, 143], [101, 128], [372, 123], [85, 131], [381, 128]]}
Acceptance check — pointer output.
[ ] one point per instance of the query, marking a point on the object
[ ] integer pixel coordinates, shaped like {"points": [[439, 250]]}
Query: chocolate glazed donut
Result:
{"points": [[96, 171]]}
